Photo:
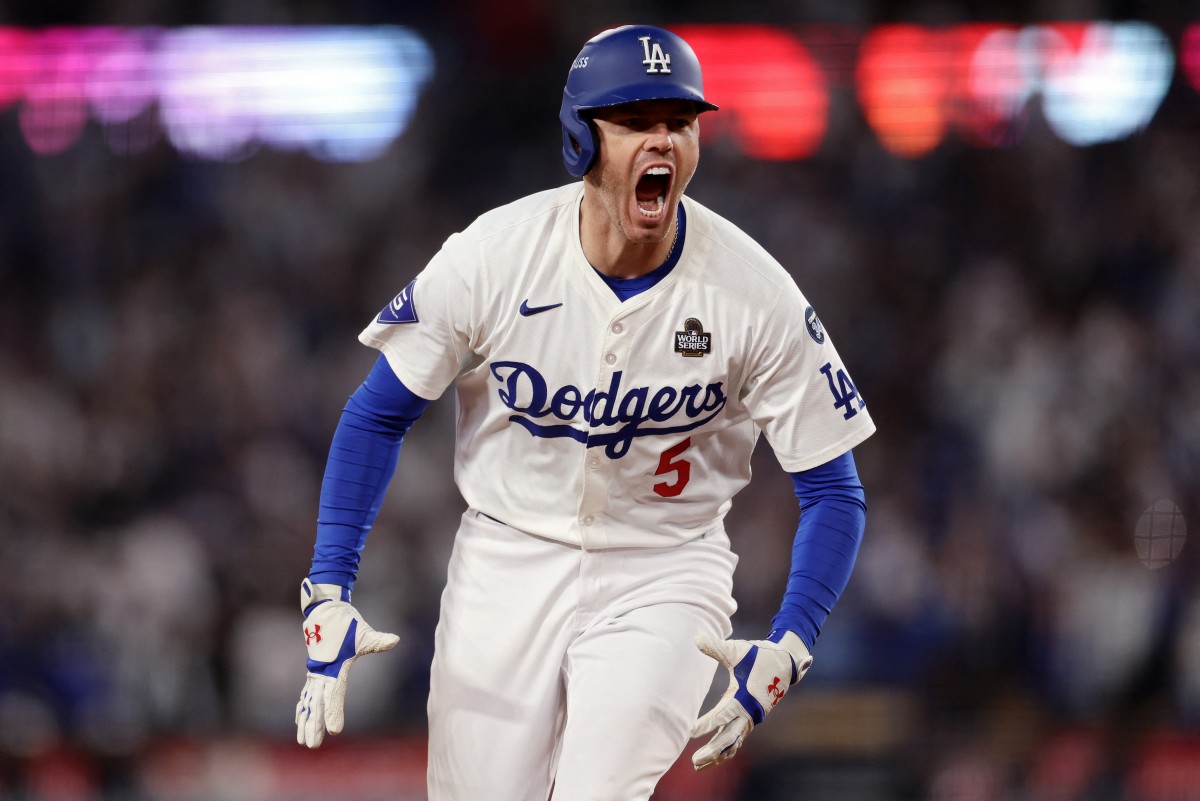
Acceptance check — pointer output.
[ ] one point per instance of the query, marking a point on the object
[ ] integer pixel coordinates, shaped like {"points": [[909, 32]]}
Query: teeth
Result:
{"points": [[658, 171], [654, 212]]}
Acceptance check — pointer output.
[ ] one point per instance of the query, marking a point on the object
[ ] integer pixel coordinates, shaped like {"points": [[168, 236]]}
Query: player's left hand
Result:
{"points": [[336, 635], [760, 672]]}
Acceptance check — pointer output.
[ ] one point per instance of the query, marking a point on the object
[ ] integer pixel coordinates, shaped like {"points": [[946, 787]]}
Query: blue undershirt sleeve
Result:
{"points": [[362, 460], [833, 514]]}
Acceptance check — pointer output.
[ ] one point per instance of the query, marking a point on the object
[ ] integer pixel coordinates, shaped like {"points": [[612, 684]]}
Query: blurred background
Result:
{"points": [[994, 207]]}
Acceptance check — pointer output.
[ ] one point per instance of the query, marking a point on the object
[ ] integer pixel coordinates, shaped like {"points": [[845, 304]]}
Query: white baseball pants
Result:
{"points": [[572, 671]]}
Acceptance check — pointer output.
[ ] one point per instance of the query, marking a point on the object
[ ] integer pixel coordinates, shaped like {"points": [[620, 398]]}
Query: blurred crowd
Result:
{"points": [[178, 337]]}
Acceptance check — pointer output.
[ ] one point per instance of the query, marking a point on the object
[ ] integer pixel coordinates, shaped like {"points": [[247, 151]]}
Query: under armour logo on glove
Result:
{"points": [[757, 671], [775, 691], [312, 636]]}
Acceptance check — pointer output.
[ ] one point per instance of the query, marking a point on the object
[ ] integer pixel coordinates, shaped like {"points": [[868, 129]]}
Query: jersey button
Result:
{"points": [[610, 358], [594, 463], [588, 520], [617, 328]]}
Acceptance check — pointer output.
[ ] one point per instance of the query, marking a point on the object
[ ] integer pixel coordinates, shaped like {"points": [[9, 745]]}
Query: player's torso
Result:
{"points": [[603, 422]]}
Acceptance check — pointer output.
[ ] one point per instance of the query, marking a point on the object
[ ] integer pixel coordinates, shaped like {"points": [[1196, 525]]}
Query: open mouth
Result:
{"points": [[651, 191]]}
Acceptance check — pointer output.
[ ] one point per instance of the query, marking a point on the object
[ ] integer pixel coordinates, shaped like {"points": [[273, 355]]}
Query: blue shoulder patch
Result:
{"points": [[401, 309]]}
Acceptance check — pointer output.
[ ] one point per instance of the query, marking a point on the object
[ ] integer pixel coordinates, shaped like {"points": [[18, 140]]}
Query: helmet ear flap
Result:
{"points": [[580, 144]]}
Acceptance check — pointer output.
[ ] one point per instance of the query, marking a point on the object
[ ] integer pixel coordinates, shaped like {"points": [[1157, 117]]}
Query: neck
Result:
{"points": [[613, 253]]}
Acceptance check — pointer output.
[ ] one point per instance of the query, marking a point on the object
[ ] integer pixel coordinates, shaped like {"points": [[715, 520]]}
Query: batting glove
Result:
{"points": [[336, 635], [760, 672]]}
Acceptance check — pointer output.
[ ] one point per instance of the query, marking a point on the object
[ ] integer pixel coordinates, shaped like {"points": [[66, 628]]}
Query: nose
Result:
{"points": [[658, 138]]}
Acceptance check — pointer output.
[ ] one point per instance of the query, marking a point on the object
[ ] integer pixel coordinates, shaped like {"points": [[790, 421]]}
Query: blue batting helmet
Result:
{"points": [[624, 65]]}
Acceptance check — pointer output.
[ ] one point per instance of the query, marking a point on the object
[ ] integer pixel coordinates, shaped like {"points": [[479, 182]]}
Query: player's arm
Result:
{"points": [[833, 516], [362, 460], [833, 511]]}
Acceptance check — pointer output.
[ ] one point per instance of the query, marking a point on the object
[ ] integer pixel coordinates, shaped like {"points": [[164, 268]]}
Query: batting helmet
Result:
{"points": [[624, 65]]}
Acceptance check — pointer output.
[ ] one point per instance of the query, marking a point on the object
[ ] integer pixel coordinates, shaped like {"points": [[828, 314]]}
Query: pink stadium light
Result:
{"points": [[54, 110], [122, 82], [995, 86], [13, 65], [342, 94], [1189, 55]]}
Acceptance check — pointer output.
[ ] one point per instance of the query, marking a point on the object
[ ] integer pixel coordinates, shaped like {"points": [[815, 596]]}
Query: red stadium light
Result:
{"points": [[903, 86], [773, 96]]}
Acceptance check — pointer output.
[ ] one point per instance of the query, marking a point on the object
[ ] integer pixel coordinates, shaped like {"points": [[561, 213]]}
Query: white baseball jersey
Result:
{"points": [[608, 424]]}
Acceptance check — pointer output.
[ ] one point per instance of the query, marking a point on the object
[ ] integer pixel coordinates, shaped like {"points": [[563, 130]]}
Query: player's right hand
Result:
{"points": [[760, 672], [336, 635]]}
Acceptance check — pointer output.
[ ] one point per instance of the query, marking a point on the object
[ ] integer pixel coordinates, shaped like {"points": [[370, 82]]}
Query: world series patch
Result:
{"points": [[692, 340]]}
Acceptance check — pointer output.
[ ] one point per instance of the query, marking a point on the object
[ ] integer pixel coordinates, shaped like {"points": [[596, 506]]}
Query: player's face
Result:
{"points": [[648, 153]]}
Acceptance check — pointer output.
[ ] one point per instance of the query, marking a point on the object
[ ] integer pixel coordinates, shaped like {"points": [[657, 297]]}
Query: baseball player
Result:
{"points": [[615, 349]]}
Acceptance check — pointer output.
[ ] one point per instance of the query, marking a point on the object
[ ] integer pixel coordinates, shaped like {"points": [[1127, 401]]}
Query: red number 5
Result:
{"points": [[667, 463]]}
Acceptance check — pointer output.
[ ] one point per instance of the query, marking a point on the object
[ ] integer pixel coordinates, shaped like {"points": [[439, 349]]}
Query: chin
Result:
{"points": [[647, 235]]}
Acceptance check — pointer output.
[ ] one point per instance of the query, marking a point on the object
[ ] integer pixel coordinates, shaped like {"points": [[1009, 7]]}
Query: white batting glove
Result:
{"points": [[760, 672], [336, 635]]}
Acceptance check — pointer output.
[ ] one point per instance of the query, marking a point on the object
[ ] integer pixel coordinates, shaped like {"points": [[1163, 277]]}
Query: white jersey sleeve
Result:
{"points": [[425, 332], [799, 391]]}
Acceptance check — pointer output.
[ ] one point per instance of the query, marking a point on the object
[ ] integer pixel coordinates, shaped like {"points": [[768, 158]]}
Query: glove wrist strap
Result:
{"points": [[795, 646], [312, 594]]}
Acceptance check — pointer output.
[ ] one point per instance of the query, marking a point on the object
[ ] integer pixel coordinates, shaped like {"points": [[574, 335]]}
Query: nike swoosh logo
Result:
{"points": [[529, 311]]}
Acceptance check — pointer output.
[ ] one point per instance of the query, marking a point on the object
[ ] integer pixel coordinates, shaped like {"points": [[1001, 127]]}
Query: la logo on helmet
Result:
{"points": [[656, 61]]}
